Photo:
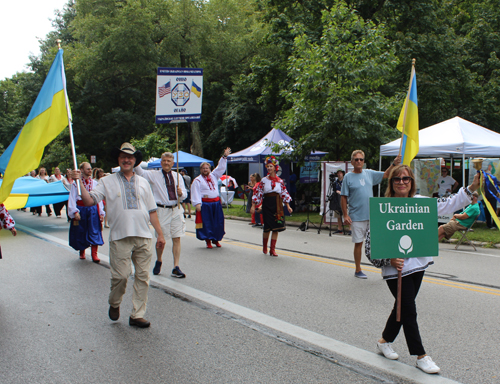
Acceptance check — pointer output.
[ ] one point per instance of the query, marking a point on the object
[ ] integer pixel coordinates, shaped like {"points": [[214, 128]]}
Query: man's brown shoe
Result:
{"points": [[114, 313], [140, 322]]}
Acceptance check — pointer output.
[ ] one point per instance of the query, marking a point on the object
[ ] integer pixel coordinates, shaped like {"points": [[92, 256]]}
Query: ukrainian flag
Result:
{"points": [[48, 117], [408, 122], [195, 89]]}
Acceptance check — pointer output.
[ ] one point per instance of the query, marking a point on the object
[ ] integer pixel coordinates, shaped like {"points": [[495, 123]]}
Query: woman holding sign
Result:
{"points": [[402, 184]]}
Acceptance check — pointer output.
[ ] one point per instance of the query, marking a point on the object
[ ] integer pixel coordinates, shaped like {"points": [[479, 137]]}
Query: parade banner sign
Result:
{"points": [[403, 227], [178, 95]]}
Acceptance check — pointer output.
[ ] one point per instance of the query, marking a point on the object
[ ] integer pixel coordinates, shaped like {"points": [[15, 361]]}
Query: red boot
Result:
{"points": [[82, 254], [217, 244], [264, 248], [209, 244], [272, 251], [95, 259]]}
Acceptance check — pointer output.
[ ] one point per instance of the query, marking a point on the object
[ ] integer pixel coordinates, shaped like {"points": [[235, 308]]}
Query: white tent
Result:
{"points": [[451, 138]]}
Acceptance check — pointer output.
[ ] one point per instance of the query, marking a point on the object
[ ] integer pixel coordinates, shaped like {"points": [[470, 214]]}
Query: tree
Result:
{"points": [[337, 100]]}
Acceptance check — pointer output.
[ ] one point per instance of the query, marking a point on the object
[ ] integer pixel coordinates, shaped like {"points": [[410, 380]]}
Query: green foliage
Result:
{"points": [[58, 154], [331, 73], [153, 145], [337, 99]]}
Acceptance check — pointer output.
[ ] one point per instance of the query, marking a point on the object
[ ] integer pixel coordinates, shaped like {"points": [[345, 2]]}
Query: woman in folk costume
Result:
{"points": [[271, 191], [85, 229], [205, 198]]}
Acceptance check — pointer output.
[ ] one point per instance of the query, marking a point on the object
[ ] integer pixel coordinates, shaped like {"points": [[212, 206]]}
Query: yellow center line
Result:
{"points": [[345, 264]]}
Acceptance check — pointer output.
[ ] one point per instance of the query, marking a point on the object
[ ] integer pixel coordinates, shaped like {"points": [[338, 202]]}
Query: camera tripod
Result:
{"points": [[333, 200]]}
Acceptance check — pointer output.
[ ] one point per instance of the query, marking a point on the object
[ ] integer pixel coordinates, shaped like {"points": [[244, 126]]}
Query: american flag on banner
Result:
{"points": [[164, 89]]}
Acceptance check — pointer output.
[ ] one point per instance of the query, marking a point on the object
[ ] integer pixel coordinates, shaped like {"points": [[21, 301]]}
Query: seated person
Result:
{"points": [[460, 221], [446, 183]]}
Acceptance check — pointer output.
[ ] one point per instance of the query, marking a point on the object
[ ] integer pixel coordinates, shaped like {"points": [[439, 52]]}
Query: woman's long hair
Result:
{"points": [[257, 177], [397, 171]]}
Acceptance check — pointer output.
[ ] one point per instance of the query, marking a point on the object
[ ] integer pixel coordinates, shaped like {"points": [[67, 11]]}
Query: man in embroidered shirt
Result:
{"points": [[358, 186], [205, 198], [168, 191], [85, 229], [130, 206]]}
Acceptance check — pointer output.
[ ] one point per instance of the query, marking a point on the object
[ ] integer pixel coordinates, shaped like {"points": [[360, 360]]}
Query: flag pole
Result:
{"points": [[407, 100], [70, 125]]}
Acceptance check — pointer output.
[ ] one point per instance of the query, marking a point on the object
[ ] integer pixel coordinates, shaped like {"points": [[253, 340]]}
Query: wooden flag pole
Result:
{"points": [[70, 126]]}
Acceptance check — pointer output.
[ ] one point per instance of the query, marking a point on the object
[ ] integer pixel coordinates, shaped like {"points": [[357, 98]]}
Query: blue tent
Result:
{"points": [[258, 152], [185, 160]]}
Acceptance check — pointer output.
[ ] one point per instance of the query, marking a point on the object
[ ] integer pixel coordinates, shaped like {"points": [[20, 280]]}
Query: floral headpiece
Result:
{"points": [[272, 160]]}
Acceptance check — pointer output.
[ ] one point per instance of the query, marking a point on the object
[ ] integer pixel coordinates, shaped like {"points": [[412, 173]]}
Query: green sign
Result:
{"points": [[403, 227]]}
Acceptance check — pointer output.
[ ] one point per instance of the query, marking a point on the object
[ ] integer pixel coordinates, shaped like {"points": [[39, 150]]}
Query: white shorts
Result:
{"points": [[172, 222], [359, 229]]}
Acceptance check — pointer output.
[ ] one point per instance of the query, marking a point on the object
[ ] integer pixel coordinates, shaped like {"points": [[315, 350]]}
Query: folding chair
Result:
{"points": [[464, 233]]}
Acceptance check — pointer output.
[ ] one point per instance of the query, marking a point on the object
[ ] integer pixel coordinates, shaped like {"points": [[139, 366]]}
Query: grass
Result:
{"points": [[481, 232], [237, 211]]}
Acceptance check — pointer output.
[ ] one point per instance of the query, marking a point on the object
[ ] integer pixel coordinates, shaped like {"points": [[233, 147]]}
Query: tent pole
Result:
{"points": [[380, 169], [463, 169]]}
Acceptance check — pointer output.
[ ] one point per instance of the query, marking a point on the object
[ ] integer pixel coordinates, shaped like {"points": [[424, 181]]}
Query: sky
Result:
{"points": [[21, 24]]}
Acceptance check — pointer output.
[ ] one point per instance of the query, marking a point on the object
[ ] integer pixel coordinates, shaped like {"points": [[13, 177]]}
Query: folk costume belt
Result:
{"points": [[208, 200]]}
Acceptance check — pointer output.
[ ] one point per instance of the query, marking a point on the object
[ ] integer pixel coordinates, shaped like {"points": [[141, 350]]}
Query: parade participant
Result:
{"points": [[131, 207], [249, 189], [68, 181], [402, 184], [271, 191], [42, 175], [6, 222], [358, 187], [187, 200], [85, 228], [206, 200], [57, 176], [168, 188]]}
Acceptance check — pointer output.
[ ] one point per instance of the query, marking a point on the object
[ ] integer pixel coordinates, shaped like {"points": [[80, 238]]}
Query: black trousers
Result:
{"points": [[409, 292]]}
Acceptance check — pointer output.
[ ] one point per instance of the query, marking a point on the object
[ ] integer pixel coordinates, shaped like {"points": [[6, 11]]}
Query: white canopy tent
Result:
{"points": [[453, 138]]}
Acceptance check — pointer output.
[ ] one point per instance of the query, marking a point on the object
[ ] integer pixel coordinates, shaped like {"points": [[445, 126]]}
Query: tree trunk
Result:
{"points": [[197, 147]]}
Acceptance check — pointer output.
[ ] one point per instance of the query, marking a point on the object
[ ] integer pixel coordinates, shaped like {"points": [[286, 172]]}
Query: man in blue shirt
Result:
{"points": [[358, 186]]}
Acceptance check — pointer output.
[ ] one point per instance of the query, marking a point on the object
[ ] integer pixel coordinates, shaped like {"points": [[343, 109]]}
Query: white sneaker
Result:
{"points": [[427, 365], [387, 351]]}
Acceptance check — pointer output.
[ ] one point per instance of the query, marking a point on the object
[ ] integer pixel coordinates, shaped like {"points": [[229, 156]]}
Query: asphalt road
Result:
{"points": [[239, 316]]}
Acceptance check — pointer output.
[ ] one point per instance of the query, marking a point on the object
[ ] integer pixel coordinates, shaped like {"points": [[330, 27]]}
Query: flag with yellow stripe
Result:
{"points": [[47, 118]]}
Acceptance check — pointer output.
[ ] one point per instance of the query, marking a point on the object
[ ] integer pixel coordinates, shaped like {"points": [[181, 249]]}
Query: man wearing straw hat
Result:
{"points": [[130, 206], [168, 193]]}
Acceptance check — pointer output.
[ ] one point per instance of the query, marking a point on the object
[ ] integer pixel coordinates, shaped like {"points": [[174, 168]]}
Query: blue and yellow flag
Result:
{"points": [[195, 89], [47, 118], [408, 119]]}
